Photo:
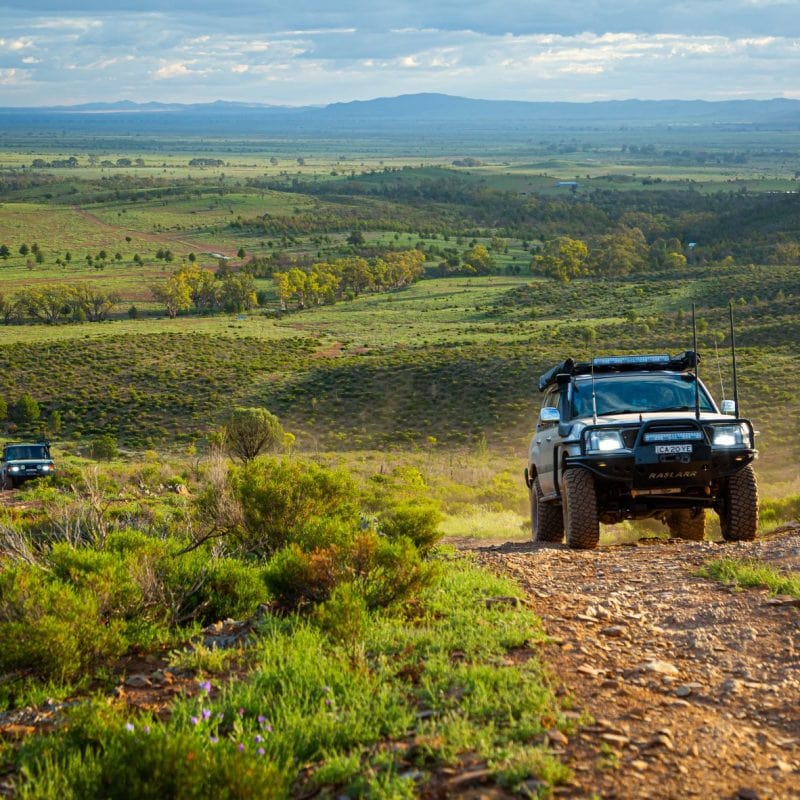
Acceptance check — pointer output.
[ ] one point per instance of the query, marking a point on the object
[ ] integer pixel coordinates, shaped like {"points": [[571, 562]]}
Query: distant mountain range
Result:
{"points": [[437, 114]]}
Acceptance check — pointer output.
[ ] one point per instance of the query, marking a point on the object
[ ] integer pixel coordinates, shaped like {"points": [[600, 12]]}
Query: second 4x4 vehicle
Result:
{"points": [[24, 461], [632, 437]]}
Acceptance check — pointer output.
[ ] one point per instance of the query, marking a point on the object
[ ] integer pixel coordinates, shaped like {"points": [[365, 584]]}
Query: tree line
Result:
{"points": [[328, 281], [205, 290], [56, 303], [615, 254]]}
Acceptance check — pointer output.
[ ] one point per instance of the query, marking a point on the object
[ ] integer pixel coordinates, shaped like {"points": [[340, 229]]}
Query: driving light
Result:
{"points": [[14, 469], [604, 441], [731, 436]]}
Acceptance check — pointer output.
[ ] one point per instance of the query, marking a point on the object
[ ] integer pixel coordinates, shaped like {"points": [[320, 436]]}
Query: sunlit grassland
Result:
{"points": [[752, 574]]}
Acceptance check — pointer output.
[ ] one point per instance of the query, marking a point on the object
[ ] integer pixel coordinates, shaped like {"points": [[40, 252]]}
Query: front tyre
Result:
{"points": [[738, 514], [579, 501], [547, 522]]}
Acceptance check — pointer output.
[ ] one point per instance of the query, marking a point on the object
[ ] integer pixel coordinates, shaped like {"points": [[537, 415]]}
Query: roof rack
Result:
{"points": [[605, 364]]}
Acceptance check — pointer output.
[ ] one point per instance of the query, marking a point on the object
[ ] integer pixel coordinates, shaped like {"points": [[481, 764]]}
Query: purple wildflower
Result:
{"points": [[206, 713], [146, 729], [129, 726], [194, 720], [205, 686], [213, 739], [261, 751], [221, 715], [258, 739], [240, 747], [241, 712]]}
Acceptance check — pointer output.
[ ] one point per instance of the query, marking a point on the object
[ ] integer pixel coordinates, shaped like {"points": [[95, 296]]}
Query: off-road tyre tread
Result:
{"points": [[739, 517], [579, 501], [550, 518], [686, 523]]}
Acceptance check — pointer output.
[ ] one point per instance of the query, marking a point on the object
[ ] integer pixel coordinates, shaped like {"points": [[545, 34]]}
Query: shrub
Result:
{"points": [[384, 573], [280, 498], [55, 630], [418, 522], [104, 447]]}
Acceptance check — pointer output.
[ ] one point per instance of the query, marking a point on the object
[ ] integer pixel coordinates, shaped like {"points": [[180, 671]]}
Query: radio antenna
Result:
{"points": [[719, 370], [594, 399], [733, 357], [696, 368]]}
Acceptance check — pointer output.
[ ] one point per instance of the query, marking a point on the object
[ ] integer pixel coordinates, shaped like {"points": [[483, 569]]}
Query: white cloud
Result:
{"points": [[175, 69], [299, 54]]}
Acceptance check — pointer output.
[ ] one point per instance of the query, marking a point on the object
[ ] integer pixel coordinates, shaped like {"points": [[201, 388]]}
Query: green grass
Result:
{"points": [[312, 714], [752, 574]]}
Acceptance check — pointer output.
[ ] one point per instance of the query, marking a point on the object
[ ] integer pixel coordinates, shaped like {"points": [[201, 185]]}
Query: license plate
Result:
{"points": [[670, 449]]}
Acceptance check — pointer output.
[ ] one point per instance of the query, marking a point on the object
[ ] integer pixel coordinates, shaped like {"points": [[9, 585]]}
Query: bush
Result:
{"points": [[55, 630], [418, 522], [104, 447], [384, 573], [280, 498]]}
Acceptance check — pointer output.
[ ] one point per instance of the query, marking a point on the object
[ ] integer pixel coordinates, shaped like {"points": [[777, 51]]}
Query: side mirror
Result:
{"points": [[548, 415], [728, 407]]}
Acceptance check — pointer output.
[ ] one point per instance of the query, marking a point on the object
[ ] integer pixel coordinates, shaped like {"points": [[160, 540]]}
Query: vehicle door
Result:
{"points": [[545, 441]]}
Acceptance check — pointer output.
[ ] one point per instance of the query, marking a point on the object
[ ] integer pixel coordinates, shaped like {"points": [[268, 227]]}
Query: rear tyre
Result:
{"points": [[547, 522], [738, 514], [687, 523], [7, 482], [579, 501]]}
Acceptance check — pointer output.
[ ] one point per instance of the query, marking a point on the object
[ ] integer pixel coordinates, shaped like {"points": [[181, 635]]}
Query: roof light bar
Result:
{"points": [[612, 361]]}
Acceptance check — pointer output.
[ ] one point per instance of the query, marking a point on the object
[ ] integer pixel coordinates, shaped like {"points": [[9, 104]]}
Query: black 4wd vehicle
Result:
{"points": [[629, 437], [22, 462]]}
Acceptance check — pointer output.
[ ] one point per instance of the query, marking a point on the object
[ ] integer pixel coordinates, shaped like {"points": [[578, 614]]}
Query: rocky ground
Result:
{"points": [[693, 687]]}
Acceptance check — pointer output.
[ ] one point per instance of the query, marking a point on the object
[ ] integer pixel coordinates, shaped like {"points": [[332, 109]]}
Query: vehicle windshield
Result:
{"points": [[637, 393], [25, 452]]}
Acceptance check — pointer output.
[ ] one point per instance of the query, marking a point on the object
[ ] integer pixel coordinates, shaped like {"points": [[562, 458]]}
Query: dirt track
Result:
{"points": [[694, 687]]}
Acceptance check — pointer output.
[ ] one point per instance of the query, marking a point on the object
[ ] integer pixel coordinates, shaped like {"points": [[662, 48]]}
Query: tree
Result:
{"points": [[175, 293], [618, 253], [356, 238], [478, 260], [54, 423], [251, 431], [5, 252], [26, 410], [238, 292], [24, 249], [563, 258], [3, 408]]}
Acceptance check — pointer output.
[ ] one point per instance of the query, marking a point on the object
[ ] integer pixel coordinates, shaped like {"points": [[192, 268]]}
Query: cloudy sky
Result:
{"points": [[297, 52]]}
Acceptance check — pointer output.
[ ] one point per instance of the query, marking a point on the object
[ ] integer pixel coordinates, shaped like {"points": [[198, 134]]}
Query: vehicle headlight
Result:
{"points": [[46, 468], [731, 436], [14, 468], [599, 441]]}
